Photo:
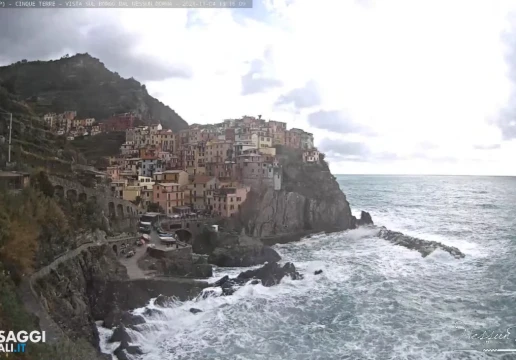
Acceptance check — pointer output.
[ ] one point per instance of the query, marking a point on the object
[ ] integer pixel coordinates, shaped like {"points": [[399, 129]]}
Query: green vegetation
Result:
{"points": [[35, 227], [97, 147], [83, 83], [155, 207]]}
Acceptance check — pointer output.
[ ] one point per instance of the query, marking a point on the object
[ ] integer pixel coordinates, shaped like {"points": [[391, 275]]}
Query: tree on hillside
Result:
{"points": [[39, 180]]}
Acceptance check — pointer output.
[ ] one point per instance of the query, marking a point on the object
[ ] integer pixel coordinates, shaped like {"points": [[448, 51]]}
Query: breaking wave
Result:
{"points": [[373, 301]]}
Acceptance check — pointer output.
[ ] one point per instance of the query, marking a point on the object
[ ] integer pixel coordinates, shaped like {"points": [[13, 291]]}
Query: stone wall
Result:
{"points": [[179, 262], [76, 192]]}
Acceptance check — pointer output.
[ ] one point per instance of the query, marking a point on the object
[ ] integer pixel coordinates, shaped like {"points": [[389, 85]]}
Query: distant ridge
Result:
{"points": [[82, 83]]}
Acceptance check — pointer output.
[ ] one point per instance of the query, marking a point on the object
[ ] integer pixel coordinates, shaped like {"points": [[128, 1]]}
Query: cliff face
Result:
{"points": [[74, 292], [310, 200], [83, 83]]}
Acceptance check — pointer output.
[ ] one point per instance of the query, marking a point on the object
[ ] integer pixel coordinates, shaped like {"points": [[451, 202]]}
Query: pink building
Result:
{"points": [[113, 172], [168, 196], [227, 202]]}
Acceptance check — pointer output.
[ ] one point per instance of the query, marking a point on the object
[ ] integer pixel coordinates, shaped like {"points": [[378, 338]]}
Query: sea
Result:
{"points": [[374, 300]]}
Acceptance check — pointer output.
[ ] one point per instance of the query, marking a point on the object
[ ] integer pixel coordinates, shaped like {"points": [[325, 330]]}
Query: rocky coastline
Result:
{"points": [[94, 287]]}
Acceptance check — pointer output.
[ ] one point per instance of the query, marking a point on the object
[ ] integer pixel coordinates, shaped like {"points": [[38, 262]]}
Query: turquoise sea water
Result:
{"points": [[374, 300]]}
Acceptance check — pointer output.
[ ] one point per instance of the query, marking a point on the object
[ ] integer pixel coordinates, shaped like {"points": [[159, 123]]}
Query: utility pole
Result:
{"points": [[10, 135]]}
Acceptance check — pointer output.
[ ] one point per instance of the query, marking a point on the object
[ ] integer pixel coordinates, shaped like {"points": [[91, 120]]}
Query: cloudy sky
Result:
{"points": [[391, 86]]}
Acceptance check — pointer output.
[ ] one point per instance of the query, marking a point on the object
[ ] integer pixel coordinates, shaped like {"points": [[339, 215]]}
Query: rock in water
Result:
{"points": [[195, 311], [120, 335], [365, 219], [130, 320], [271, 273], [121, 354], [113, 318], [424, 247], [317, 272], [221, 281], [163, 300], [152, 312]]}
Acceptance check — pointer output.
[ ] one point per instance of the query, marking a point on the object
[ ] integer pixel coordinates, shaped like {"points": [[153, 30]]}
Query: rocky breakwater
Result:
{"points": [[424, 247]]}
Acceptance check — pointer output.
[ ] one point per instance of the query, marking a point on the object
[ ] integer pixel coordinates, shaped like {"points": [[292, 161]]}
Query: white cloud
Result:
{"points": [[416, 72]]}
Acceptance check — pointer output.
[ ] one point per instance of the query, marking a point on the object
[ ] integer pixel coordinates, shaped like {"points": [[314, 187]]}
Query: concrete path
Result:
{"points": [[131, 264]]}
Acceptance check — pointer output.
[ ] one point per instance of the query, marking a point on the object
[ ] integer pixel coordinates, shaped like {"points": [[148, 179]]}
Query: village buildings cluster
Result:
{"points": [[69, 125], [204, 168]]}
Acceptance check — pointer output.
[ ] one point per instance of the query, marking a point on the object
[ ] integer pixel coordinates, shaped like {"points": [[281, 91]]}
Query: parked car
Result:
{"points": [[130, 254]]}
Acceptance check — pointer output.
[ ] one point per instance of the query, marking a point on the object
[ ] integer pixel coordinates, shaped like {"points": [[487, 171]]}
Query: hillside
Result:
{"points": [[33, 144], [84, 84]]}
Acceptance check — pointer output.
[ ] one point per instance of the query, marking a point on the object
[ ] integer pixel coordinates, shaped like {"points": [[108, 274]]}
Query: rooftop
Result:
{"points": [[172, 171], [168, 184]]}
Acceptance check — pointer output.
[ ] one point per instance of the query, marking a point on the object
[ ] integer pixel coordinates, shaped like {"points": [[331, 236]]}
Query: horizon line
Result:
{"points": [[483, 175]]}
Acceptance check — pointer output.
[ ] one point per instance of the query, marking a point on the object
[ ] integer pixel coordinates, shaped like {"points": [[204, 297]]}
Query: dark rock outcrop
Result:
{"points": [[131, 320], [120, 335], [221, 281], [120, 353], [318, 272], [268, 275], [424, 247], [163, 301], [195, 311], [271, 274], [124, 348], [365, 219], [117, 317], [152, 312], [230, 249]]}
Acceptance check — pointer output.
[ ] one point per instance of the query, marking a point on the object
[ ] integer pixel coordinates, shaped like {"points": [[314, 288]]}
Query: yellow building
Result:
{"points": [[130, 193], [267, 151], [171, 176]]}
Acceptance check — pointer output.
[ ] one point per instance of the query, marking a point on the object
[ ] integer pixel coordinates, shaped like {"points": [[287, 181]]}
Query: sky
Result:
{"points": [[386, 87]]}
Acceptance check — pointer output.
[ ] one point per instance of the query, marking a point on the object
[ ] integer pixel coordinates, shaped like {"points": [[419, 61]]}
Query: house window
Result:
{"points": [[239, 199]]}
